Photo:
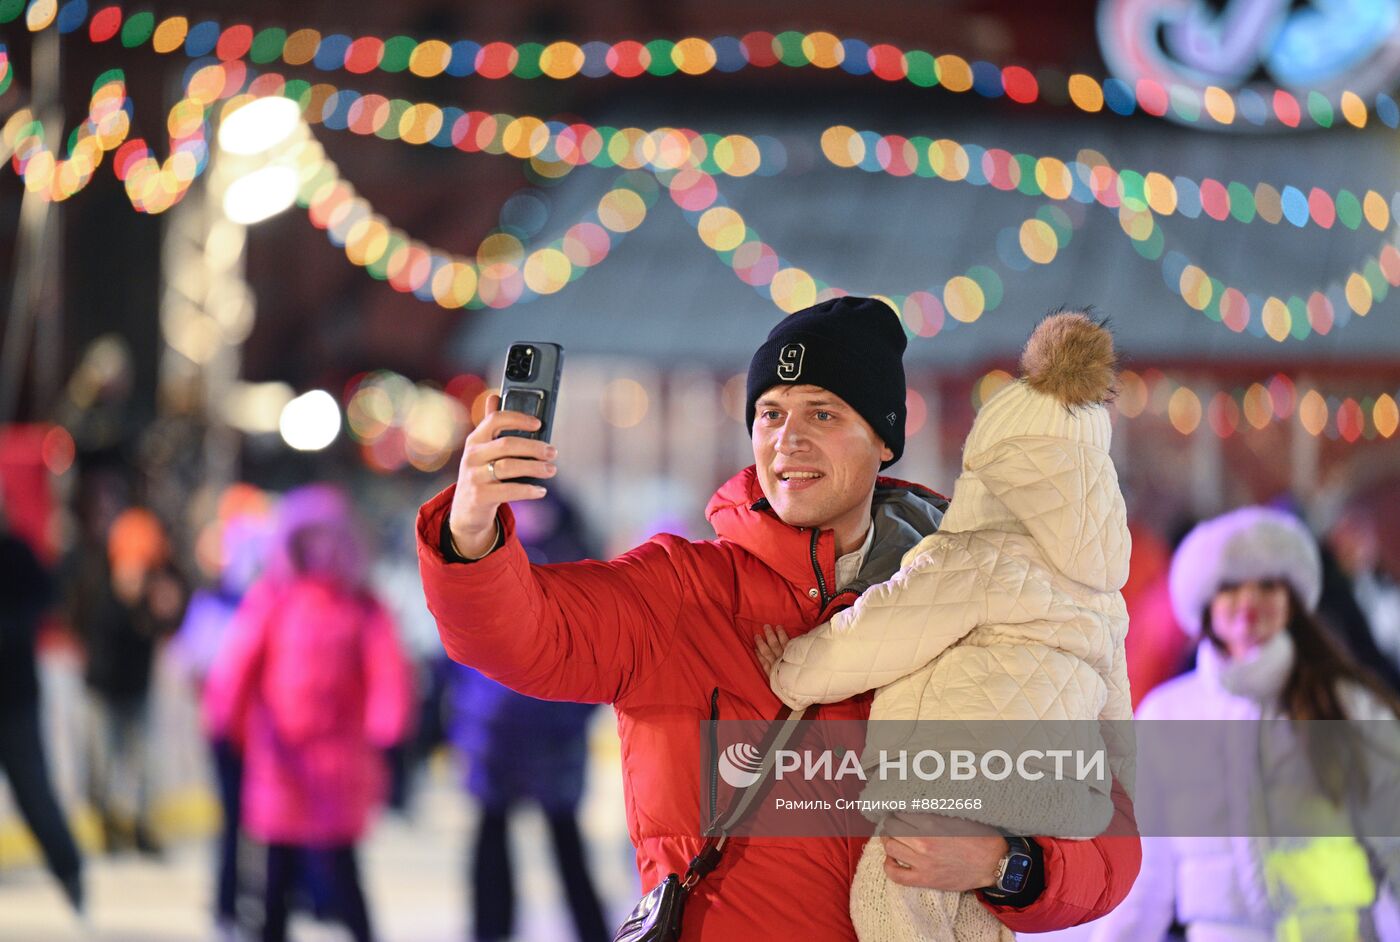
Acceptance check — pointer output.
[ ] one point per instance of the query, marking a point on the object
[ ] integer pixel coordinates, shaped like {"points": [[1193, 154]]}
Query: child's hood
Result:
{"points": [[1063, 494]]}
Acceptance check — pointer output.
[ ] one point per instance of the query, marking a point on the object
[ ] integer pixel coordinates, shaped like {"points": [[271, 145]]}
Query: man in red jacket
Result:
{"points": [[666, 632]]}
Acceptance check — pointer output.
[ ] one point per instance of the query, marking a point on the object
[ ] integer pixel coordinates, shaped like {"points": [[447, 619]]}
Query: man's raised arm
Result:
{"points": [[577, 631]]}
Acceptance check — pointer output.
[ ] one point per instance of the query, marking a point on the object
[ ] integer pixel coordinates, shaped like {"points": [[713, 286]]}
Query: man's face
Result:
{"points": [[817, 458]]}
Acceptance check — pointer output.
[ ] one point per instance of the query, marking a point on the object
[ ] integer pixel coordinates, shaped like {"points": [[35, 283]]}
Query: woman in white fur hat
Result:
{"points": [[1247, 583], [1010, 612]]}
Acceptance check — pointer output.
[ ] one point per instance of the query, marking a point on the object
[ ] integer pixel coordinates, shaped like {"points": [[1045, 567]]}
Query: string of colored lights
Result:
{"points": [[963, 298], [1138, 198], [152, 185], [554, 148], [503, 271], [500, 273], [1339, 417], [502, 276], [1280, 398], [106, 125], [1091, 178], [1262, 315], [579, 144], [1294, 317], [1085, 180], [1266, 315], [546, 142], [691, 56], [497, 278], [694, 189]]}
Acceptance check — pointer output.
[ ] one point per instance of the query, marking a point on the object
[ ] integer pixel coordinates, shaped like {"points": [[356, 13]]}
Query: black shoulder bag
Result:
{"points": [[657, 916]]}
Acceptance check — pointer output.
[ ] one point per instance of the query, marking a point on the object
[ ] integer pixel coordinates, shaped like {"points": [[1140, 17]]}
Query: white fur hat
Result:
{"points": [[1252, 543]]}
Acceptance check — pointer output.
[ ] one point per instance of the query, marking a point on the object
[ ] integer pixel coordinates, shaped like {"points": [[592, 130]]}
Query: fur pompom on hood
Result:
{"points": [[1071, 358], [1069, 373]]}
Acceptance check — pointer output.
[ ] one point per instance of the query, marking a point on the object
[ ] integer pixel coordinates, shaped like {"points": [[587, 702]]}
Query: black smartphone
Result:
{"points": [[530, 385]]}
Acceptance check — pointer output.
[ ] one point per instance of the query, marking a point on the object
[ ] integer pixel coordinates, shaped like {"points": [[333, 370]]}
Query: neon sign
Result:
{"points": [[1254, 47]]}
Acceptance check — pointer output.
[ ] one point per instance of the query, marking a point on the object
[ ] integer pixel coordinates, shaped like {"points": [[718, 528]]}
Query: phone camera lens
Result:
{"points": [[520, 363]]}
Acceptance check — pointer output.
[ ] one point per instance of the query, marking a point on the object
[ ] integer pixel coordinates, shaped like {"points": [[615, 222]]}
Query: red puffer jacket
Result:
{"points": [[655, 632]]}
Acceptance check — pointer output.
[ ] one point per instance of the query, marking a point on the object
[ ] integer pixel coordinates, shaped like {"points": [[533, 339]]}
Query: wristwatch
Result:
{"points": [[1013, 870]]}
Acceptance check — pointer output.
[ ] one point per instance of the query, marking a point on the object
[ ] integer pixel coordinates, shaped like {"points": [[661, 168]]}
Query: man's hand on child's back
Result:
{"points": [[941, 853], [769, 646]]}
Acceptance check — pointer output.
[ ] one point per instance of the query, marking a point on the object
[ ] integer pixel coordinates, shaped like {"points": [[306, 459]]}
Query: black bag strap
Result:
{"points": [[780, 732]]}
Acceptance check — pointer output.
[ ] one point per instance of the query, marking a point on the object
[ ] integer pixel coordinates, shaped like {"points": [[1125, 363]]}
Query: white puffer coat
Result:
{"points": [[1217, 886], [1011, 611]]}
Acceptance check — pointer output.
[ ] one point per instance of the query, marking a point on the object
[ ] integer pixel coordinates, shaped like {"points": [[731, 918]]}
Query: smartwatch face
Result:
{"points": [[1018, 871]]}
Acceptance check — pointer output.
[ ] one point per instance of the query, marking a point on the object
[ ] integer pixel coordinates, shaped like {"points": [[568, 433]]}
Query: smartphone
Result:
{"points": [[530, 385]]}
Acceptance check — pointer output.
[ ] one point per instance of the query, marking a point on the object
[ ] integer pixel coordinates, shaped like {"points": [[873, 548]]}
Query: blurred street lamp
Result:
{"points": [[259, 126], [262, 153], [311, 421], [262, 150], [261, 194], [256, 408]]}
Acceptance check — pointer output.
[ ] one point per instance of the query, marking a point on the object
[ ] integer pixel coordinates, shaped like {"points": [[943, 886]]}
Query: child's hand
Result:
{"points": [[769, 647]]}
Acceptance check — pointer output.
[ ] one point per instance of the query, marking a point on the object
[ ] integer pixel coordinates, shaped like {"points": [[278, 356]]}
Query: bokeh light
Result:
{"points": [[988, 386], [1386, 415], [311, 421], [1132, 394], [258, 125], [58, 450], [734, 396], [916, 413], [624, 403], [1258, 406], [1313, 412], [1184, 410]]}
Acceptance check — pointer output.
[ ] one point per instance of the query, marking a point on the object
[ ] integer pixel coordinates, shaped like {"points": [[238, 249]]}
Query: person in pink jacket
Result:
{"points": [[314, 685]]}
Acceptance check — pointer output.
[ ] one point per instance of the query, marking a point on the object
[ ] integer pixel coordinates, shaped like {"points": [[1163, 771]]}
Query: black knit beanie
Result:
{"points": [[853, 347]]}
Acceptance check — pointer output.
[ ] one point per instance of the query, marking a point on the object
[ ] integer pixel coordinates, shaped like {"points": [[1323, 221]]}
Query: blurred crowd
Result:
{"points": [[299, 631], [317, 705]]}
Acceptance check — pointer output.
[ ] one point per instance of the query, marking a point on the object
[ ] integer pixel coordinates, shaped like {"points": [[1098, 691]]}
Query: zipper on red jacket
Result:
{"points": [[817, 568], [714, 753]]}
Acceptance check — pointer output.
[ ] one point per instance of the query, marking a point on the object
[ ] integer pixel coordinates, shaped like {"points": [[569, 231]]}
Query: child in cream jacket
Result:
{"points": [[1010, 612]]}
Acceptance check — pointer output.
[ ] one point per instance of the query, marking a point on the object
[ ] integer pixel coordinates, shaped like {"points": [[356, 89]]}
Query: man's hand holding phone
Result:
{"points": [[485, 476]]}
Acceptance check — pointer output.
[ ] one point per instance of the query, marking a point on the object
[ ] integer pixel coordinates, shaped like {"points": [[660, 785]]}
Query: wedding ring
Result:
{"points": [[491, 466]]}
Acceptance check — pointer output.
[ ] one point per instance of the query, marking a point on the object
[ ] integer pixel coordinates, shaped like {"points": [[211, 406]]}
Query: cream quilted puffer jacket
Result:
{"points": [[1012, 611]]}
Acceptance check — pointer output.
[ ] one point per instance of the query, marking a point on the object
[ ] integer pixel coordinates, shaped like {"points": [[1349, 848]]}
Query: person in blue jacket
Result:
{"points": [[518, 749]]}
